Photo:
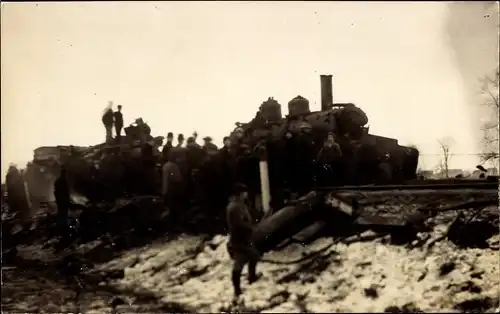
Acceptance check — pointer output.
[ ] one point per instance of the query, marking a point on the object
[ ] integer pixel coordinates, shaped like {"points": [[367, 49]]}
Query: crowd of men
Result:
{"points": [[198, 173], [224, 182], [205, 173]]}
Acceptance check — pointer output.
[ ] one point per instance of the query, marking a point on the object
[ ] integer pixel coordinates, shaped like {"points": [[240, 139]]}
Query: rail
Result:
{"points": [[427, 186]]}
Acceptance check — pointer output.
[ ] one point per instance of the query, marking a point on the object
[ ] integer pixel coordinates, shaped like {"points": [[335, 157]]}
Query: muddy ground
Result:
{"points": [[192, 274]]}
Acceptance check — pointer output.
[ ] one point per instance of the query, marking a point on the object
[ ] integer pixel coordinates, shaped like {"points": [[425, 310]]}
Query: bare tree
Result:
{"points": [[490, 127], [445, 145], [420, 172]]}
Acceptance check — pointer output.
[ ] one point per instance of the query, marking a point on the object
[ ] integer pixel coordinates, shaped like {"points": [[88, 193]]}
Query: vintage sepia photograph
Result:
{"points": [[250, 157]]}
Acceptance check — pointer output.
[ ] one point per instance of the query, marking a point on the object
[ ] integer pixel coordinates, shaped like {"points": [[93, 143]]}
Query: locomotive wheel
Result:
{"points": [[385, 172]]}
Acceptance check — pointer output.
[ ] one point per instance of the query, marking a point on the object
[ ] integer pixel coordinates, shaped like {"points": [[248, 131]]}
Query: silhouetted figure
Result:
{"points": [[190, 142], [107, 120], [194, 154], [247, 171], [173, 186], [240, 247], [305, 156], [118, 121], [195, 136], [226, 162], [168, 146], [226, 142], [211, 188], [327, 161], [180, 140], [227, 158], [15, 190], [208, 146], [143, 129], [237, 136]]}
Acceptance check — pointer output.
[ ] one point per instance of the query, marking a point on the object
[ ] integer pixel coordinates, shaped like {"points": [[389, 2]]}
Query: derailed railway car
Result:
{"points": [[104, 171]]}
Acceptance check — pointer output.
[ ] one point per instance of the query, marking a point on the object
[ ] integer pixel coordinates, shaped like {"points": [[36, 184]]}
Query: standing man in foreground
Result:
{"points": [[240, 247]]}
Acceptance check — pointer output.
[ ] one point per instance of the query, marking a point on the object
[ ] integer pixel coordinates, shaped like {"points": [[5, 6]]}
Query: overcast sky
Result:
{"points": [[185, 66]]}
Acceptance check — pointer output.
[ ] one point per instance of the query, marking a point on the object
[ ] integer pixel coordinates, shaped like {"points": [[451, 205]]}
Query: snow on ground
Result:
{"points": [[356, 277]]}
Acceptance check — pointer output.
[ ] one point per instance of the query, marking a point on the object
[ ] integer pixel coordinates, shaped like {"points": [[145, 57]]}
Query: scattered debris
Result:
{"points": [[371, 292], [407, 308], [446, 268], [476, 305]]}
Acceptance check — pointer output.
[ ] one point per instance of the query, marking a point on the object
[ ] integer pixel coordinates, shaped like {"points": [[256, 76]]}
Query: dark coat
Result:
{"points": [[329, 154], [107, 118], [239, 221], [118, 119]]}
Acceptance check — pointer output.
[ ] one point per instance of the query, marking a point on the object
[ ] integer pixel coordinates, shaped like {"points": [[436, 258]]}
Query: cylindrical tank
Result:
{"points": [[326, 92], [271, 110], [298, 106]]}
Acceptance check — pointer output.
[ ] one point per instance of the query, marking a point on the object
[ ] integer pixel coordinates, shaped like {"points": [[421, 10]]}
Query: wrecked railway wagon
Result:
{"points": [[99, 172]]}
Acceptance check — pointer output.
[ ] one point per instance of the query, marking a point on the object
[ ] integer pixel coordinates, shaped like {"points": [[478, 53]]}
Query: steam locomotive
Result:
{"points": [[367, 158]]}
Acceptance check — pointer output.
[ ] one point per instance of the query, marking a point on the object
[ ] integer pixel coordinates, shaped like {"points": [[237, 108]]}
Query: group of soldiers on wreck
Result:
{"points": [[188, 174], [203, 175], [224, 182]]}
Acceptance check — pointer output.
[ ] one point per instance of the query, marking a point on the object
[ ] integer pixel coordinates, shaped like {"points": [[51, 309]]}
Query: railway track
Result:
{"points": [[419, 195], [405, 199], [445, 184]]}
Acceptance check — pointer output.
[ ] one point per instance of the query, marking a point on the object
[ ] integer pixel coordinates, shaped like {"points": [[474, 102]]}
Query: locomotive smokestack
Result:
{"points": [[326, 92]]}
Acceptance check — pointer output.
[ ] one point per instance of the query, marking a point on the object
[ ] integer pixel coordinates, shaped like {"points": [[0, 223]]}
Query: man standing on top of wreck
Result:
{"points": [[118, 122], [107, 120], [240, 246]]}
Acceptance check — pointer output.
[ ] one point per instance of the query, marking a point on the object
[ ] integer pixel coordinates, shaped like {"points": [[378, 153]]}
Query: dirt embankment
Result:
{"points": [[192, 274]]}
